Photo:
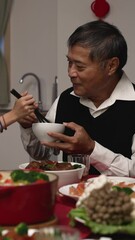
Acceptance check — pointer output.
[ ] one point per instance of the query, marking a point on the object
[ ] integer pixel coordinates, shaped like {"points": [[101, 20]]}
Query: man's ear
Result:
{"points": [[113, 64]]}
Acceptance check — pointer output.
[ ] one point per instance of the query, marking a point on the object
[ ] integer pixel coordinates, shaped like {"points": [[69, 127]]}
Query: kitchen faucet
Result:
{"points": [[39, 88]]}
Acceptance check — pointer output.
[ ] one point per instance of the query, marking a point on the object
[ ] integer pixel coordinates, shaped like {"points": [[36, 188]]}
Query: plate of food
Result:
{"points": [[106, 208], [67, 190], [77, 189], [120, 181]]}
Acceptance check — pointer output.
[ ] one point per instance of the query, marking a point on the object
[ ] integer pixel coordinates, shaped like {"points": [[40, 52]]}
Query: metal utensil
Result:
{"points": [[37, 112]]}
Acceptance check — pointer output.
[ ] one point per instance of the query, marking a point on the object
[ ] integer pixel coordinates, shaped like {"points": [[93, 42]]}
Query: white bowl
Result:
{"points": [[66, 177], [41, 130]]}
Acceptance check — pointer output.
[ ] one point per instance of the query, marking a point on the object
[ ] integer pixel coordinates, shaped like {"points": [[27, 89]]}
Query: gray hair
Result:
{"points": [[103, 39]]}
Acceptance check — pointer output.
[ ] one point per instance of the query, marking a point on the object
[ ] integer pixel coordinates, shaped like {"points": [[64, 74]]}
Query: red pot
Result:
{"points": [[33, 203]]}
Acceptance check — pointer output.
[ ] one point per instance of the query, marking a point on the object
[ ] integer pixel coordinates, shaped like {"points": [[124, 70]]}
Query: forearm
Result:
{"points": [[10, 117], [33, 146], [110, 163], [7, 119]]}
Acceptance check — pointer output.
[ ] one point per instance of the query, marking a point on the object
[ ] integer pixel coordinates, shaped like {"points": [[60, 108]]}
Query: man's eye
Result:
{"points": [[69, 62], [80, 68]]}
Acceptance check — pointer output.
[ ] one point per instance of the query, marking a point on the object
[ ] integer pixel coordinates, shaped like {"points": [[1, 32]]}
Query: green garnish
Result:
{"points": [[49, 166], [75, 166], [7, 238], [127, 190], [21, 229], [100, 228], [28, 177]]}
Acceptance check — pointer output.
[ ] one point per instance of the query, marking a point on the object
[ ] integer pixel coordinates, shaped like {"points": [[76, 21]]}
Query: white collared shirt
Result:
{"points": [[106, 161]]}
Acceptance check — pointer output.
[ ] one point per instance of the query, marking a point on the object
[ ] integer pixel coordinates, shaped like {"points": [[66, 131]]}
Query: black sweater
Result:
{"points": [[113, 129]]}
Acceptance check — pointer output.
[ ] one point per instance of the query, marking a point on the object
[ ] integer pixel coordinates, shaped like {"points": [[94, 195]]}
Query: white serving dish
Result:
{"points": [[65, 176]]}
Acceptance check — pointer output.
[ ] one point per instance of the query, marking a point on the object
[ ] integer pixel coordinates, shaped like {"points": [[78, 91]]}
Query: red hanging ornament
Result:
{"points": [[100, 8]]}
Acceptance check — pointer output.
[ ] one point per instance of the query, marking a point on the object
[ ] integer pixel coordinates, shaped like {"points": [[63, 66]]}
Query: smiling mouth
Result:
{"points": [[76, 84], [77, 89]]}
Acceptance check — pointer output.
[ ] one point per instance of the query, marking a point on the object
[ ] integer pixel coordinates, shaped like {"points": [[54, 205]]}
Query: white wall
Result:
{"points": [[34, 45], [39, 32]]}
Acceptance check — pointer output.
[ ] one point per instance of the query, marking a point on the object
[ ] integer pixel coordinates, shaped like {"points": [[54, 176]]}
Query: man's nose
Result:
{"points": [[72, 72]]}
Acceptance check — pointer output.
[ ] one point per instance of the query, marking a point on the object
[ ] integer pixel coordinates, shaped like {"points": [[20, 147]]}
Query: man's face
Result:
{"points": [[87, 77]]}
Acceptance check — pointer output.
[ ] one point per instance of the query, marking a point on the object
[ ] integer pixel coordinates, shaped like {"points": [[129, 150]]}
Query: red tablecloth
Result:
{"points": [[63, 205]]}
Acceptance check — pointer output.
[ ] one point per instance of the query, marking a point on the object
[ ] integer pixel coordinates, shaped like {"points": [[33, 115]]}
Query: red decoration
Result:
{"points": [[100, 8]]}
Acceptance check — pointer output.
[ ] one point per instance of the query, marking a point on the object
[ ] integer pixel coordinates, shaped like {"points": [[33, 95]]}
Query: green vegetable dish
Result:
{"points": [[21, 177], [28, 177]]}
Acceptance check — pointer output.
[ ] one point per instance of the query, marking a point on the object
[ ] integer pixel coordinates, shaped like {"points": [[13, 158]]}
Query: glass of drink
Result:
{"points": [[81, 158]]}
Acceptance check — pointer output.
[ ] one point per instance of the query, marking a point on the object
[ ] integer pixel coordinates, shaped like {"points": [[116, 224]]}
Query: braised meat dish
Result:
{"points": [[51, 165]]}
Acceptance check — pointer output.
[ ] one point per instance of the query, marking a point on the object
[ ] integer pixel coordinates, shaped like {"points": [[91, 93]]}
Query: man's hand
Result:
{"points": [[81, 142]]}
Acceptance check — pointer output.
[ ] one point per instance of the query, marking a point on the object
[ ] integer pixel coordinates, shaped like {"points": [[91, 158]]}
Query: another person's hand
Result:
{"points": [[24, 108], [28, 121], [80, 142]]}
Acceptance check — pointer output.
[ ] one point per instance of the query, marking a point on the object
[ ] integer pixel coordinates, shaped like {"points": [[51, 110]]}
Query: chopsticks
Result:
{"points": [[37, 112]]}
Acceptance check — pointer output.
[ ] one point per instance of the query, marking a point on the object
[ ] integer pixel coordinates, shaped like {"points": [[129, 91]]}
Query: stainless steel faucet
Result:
{"points": [[39, 87]]}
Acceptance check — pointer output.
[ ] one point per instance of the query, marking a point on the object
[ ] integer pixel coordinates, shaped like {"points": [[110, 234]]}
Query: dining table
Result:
{"points": [[63, 206]]}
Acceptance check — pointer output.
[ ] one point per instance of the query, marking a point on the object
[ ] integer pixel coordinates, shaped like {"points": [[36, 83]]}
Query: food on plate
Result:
{"points": [[19, 177], [20, 232], [68, 173], [104, 208], [78, 190], [124, 186], [52, 165], [108, 206]]}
